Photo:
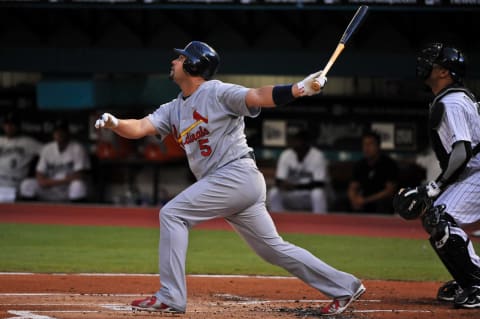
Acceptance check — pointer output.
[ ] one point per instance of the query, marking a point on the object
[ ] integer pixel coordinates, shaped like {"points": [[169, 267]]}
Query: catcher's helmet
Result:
{"points": [[201, 59], [448, 57], [410, 203]]}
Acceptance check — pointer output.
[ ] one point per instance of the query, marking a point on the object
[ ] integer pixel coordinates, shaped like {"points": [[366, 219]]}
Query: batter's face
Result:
{"points": [[176, 70]]}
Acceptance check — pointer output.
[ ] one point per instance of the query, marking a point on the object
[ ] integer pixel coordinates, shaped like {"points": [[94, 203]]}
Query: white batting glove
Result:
{"points": [[107, 120], [305, 86], [431, 189]]}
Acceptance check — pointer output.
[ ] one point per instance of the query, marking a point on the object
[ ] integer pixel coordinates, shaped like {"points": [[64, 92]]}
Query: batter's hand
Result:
{"points": [[305, 86], [107, 120]]}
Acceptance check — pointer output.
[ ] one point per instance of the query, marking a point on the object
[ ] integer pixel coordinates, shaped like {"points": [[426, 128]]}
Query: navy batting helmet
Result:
{"points": [[201, 59], [448, 57]]}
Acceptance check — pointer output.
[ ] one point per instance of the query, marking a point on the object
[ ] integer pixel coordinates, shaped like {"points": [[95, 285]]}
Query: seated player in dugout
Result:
{"points": [[451, 201], [61, 171], [18, 157], [301, 177], [374, 180]]}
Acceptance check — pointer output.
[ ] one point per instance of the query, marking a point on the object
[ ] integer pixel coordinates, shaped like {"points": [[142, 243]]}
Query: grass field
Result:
{"points": [[73, 249]]}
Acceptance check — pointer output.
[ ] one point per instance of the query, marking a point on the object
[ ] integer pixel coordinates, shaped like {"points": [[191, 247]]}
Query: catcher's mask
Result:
{"points": [[448, 57], [409, 203]]}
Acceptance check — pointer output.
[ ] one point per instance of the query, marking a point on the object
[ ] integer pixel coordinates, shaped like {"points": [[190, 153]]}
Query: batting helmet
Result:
{"points": [[448, 57], [410, 203], [201, 59]]}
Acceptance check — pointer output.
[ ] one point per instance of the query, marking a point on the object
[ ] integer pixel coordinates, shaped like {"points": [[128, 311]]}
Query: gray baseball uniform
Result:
{"points": [[209, 124]]}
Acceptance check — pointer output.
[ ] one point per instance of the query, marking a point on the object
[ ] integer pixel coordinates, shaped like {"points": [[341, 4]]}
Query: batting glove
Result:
{"points": [[305, 86], [431, 189], [107, 120]]}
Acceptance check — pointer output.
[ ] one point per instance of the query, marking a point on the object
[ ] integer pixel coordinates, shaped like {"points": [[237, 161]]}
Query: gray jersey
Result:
{"points": [[209, 125]]}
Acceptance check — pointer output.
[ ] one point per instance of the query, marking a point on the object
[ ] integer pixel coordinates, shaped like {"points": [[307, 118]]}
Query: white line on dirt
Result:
{"points": [[41, 294], [393, 310], [140, 275], [64, 304], [255, 302], [23, 314]]}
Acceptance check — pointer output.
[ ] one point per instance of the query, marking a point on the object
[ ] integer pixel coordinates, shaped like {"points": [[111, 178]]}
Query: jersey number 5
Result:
{"points": [[205, 149]]}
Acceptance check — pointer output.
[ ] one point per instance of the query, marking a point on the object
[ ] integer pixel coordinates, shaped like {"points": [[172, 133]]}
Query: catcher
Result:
{"points": [[452, 200]]}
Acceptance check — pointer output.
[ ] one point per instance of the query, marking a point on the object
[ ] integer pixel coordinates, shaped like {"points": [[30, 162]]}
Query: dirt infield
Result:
{"points": [[100, 297], [93, 296]]}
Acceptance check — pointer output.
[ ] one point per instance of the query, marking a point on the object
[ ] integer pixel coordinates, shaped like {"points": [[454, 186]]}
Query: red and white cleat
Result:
{"points": [[152, 304], [338, 306]]}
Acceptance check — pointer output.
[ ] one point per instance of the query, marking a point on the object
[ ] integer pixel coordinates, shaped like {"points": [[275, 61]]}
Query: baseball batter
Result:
{"points": [[455, 136], [207, 118]]}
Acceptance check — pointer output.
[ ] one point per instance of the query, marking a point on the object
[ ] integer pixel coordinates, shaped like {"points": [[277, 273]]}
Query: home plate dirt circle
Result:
{"points": [[95, 296]]}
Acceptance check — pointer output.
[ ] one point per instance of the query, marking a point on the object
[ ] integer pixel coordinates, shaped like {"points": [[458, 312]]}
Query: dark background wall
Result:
{"points": [[95, 56], [67, 38], [74, 60]]}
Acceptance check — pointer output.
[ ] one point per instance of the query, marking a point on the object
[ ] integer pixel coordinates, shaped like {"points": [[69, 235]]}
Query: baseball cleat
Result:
{"points": [[448, 291], [338, 306], [152, 304], [468, 298]]}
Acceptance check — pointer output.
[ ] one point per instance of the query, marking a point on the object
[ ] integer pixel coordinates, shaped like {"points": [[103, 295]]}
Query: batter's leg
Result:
{"points": [[172, 254], [219, 195], [258, 230]]}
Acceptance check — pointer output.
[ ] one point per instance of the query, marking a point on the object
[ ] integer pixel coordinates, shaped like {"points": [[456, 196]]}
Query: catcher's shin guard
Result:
{"points": [[453, 247]]}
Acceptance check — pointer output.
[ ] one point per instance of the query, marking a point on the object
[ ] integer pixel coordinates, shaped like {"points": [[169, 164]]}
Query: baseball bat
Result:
{"points": [[354, 24]]}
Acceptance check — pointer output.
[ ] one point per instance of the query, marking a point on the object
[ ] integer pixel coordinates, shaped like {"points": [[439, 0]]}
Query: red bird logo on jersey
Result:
{"points": [[198, 117], [189, 136]]}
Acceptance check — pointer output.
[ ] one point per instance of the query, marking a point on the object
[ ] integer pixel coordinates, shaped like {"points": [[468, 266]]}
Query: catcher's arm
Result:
{"points": [[459, 157]]}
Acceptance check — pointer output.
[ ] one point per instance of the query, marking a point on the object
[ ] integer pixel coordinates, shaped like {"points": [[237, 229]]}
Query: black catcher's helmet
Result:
{"points": [[201, 59], [448, 57]]}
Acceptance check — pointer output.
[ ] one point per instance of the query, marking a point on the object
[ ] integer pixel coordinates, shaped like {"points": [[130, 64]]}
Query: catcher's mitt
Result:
{"points": [[411, 203]]}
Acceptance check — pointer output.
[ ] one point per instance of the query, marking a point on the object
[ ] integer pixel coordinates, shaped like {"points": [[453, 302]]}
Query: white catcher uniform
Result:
{"points": [[461, 122], [210, 126], [454, 119]]}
